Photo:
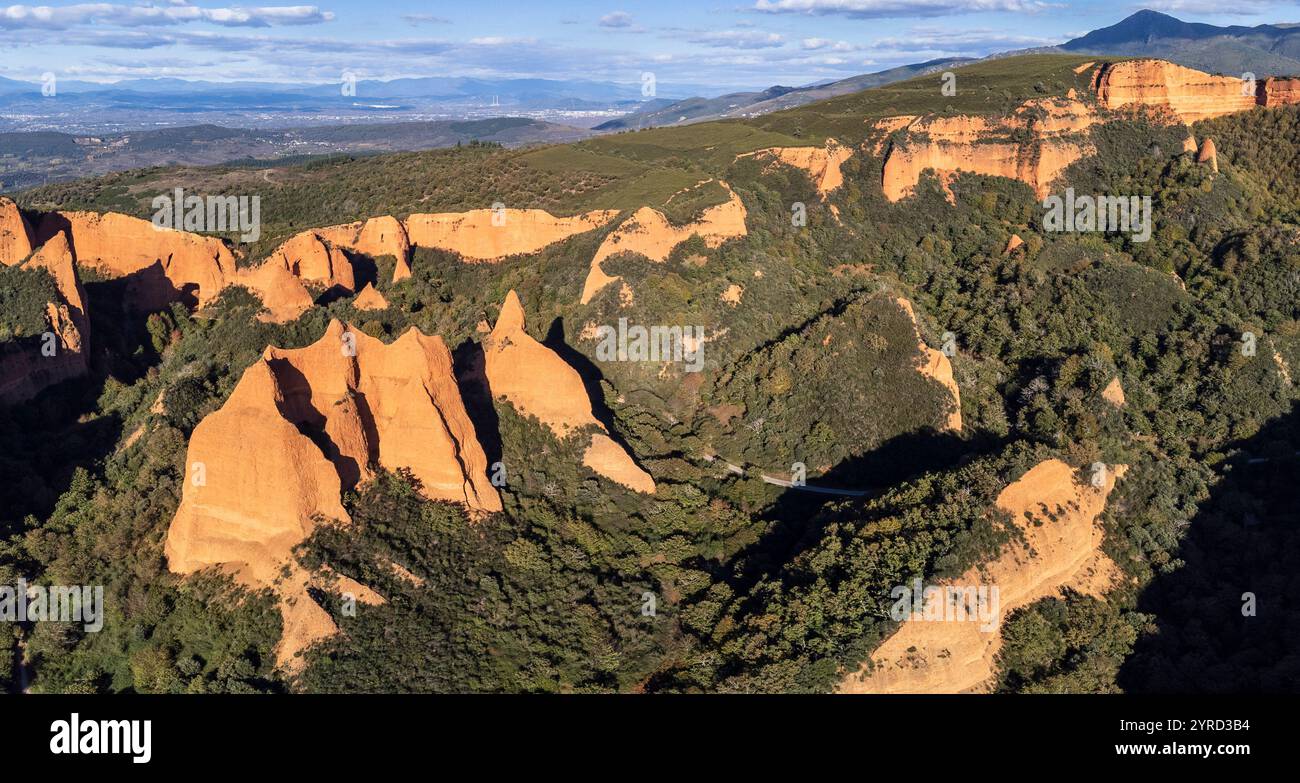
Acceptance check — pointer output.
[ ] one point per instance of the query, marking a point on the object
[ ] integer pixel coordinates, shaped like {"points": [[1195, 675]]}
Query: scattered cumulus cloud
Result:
{"points": [[65, 17], [415, 20], [617, 19], [737, 39], [867, 9]]}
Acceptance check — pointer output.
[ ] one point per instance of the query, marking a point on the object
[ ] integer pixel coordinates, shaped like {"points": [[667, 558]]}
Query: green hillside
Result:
{"points": [[757, 586]]}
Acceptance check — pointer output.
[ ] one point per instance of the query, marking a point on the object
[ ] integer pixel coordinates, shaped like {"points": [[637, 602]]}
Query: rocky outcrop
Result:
{"points": [[375, 237], [1058, 545], [822, 164], [936, 366], [1208, 156], [537, 382], [313, 259], [256, 485], [1051, 130], [28, 367], [283, 295], [882, 129], [1186, 94], [161, 265], [15, 234], [1189, 94], [1114, 393], [370, 299], [648, 233], [1279, 91], [494, 234]]}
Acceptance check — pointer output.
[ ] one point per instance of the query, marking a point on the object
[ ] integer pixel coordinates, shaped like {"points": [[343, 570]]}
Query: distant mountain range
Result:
{"points": [[272, 120], [1264, 50], [750, 104], [35, 158]]}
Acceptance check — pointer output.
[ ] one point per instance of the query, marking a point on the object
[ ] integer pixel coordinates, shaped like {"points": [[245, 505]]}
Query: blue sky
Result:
{"points": [[718, 45]]}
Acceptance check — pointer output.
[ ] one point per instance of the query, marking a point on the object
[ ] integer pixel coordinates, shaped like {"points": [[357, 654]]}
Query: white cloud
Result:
{"points": [[64, 17], [616, 19], [737, 39], [897, 8], [820, 44], [415, 20]]}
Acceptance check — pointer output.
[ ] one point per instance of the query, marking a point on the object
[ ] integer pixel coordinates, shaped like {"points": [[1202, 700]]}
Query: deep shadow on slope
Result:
{"points": [[44, 440], [795, 526], [1245, 539]]}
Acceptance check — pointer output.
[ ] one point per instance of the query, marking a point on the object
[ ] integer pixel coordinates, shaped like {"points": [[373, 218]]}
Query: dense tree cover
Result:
{"points": [[753, 587], [24, 294]]}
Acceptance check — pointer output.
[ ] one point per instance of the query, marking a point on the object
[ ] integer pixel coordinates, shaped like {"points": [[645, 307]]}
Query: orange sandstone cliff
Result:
{"points": [[375, 237], [537, 382], [490, 235], [28, 368], [1188, 94], [821, 163], [936, 365], [647, 232], [15, 234], [988, 145], [1061, 547], [255, 485], [162, 265]]}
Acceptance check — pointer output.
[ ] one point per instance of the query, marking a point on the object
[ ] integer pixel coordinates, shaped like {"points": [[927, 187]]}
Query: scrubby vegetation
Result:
{"points": [[720, 581]]}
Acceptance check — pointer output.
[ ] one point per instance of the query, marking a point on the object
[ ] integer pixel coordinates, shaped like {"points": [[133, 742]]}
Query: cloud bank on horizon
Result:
{"points": [[752, 44]]}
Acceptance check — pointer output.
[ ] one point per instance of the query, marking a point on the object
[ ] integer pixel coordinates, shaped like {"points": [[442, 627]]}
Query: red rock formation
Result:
{"points": [[936, 365], [256, 485], [821, 163], [1058, 546], [1279, 91], [15, 234], [647, 232], [1208, 156], [537, 382], [375, 237], [162, 265], [981, 145], [370, 299], [283, 295], [310, 258], [475, 236], [26, 369], [1189, 94]]}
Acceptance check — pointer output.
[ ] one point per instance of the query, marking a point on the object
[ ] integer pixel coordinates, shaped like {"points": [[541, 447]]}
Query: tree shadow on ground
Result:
{"points": [[1243, 542]]}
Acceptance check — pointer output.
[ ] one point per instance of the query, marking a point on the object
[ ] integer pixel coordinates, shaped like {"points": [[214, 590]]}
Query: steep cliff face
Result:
{"points": [[1052, 127], [647, 232], [313, 259], [15, 234], [936, 365], [283, 295], [162, 265], [537, 382], [821, 163], [255, 484], [26, 369], [1188, 94], [1061, 547], [254, 488], [1279, 91], [375, 237], [475, 236]]}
